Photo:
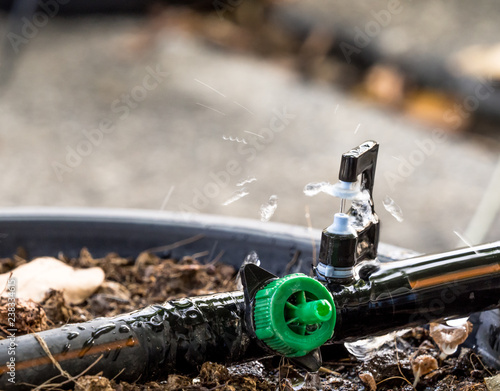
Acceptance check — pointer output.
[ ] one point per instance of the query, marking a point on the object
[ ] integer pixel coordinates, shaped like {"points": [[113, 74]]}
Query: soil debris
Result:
{"points": [[30, 317], [93, 383], [128, 285], [215, 374], [59, 311]]}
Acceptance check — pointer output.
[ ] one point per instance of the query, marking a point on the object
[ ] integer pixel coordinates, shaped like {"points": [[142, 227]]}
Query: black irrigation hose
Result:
{"points": [[149, 344], [180, 335], [419, 290]]}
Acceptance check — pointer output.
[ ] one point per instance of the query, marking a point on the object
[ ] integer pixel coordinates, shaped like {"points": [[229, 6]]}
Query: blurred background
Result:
{"points": [[231, 107]]}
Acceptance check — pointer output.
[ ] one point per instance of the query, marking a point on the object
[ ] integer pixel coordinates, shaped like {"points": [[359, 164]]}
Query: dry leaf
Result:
{"points": [[449, 337], [369, 381], [35, 278], [493, 383], [422, 365]]}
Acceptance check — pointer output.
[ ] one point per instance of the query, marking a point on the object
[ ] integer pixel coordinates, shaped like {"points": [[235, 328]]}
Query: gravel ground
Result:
{"points": [[158, 105]]}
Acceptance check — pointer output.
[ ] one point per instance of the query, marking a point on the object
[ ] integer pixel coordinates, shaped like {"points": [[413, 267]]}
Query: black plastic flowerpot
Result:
{"points": [[49, 231]]}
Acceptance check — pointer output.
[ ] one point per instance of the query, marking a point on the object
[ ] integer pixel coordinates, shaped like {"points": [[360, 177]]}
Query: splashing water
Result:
{"points": [[251, 257], [364, 349], [267, 210], [393, 208], [245, 181], [339, 190], [236, 196], [467, 242], [311, 189], [237, 139], [361, 214]]}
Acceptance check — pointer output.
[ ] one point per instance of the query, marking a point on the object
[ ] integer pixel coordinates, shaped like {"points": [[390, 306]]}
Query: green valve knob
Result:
{"points": [[294, 315], [313, 312]]}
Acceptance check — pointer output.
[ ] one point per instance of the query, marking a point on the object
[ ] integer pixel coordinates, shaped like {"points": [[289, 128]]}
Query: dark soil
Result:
{"points": [[132, 284]]}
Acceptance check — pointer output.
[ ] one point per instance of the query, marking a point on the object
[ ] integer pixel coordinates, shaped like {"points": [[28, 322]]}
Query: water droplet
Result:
{"points": [[345, 190], [156, 326], [237, 139], [103, 330], [181, 303], [124, 329], [311, 189], [236, 196], [81, 327], [73, 335], [245, 181], [130, 341], [65, 348], [466, 241], [87, 345], [393, 208], [253, 258], [361, 214], [364, 349], [267, 210]]}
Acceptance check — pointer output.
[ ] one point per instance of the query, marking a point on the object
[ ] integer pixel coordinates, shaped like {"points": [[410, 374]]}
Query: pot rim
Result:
{"points": [[250, 228]]}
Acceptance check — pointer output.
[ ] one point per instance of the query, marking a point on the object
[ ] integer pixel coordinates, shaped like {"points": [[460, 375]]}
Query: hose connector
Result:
{"points": [[294, 315]]}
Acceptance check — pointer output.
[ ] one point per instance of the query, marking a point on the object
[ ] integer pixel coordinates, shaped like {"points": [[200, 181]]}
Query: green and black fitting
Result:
{"points": [[294, 315], [353, 237]]}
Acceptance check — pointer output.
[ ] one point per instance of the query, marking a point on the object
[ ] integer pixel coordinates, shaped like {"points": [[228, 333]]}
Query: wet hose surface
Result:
{"points": [[420, 290], [146, 344]]}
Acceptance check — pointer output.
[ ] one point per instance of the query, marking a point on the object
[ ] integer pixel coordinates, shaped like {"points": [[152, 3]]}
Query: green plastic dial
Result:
{"points": [[294, 315]]}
